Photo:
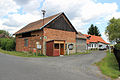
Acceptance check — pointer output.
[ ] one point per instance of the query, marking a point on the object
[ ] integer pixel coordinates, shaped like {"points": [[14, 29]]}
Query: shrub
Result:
{"points": [[7, 44], [3, 43], [10, 46], [40, 54], [117, 46]]}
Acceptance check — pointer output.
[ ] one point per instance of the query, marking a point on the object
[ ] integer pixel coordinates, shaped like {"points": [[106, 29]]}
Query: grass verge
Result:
{"points": [[21, 54], [109, 66]]}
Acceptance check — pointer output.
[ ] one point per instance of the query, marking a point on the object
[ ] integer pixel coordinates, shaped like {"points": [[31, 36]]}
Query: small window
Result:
{"points": [[56, 46], [95, 45], [70, 46], [26, 42], [92, 45]]}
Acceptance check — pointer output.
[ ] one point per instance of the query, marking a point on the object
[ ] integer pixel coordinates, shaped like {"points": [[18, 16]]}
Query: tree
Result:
{"points": [[93, 30], [5, 32], [113, 30]]}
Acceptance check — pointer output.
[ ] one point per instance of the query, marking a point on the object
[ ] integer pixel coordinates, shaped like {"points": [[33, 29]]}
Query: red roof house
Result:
{"points": [[95, 41]]}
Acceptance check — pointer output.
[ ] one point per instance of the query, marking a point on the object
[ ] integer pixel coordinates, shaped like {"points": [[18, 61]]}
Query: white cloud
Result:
{"points": [[78, 24], [20, 20], [7, 6], [81, 12], [22, 2], [115, 15], [93, 10], [4, 27], [29, 6], [104, 37], [32, 6], [16, 20]]}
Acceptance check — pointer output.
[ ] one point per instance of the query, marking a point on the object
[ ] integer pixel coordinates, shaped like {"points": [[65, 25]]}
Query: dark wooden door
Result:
{"points": [[61, 49]]}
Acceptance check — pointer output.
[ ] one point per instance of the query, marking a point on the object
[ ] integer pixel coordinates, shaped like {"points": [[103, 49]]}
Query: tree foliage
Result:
{"points": [[5, 32], [117, 46], [7, 44], [93, 30], [113, 30]]}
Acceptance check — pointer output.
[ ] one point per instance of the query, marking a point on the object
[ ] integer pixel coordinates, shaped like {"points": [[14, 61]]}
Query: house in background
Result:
{"points": [[96, 42], [81, 44], [4, 36], [53, 37]]}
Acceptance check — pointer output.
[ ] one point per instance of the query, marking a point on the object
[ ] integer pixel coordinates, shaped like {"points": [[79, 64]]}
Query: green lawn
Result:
{"points": [[21, 54], [109, 66]]}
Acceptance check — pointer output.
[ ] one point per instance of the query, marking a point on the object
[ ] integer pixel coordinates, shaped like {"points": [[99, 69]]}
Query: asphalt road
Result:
{"points": [[76, 67]]}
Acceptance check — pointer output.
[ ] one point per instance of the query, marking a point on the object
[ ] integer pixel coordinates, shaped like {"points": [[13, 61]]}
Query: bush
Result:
{"points": [[117, 46], [7, 44], [40, 54], [10, 46], [3, 43]]}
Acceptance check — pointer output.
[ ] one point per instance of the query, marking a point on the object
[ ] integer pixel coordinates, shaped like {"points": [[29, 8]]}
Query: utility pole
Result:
{"points": [[43, 12]]}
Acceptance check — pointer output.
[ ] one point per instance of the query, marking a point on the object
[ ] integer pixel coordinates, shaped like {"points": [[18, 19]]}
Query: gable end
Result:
{"points": [[61, 23]]}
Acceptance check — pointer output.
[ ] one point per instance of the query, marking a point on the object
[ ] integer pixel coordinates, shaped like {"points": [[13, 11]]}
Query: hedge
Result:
{"points": [[117, 46]]}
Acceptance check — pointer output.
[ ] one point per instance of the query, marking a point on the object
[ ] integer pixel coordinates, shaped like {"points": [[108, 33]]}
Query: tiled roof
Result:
{"points": [[2, 35], [80, 35], [93, 38], [37, 24]]}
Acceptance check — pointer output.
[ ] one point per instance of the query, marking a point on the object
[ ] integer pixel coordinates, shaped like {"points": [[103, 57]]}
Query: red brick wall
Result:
{"points": [[31, 41], [53, 34]]}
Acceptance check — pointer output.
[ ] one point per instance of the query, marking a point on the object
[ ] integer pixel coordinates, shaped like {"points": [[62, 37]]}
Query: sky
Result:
{"points": [[15, 14]]}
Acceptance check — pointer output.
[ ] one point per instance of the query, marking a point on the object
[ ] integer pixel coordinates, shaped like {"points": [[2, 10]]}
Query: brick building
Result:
{"points": [[56, 33]]}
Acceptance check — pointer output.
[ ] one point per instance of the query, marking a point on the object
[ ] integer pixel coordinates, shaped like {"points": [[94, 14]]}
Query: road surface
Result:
{"points": [[75, 67]]}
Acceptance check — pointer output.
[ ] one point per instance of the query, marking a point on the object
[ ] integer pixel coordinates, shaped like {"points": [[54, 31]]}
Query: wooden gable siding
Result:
{"points": [[61, 23]]}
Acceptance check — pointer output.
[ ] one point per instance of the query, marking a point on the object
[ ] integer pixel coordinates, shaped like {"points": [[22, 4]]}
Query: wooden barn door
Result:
{"points": [[61, 49]]}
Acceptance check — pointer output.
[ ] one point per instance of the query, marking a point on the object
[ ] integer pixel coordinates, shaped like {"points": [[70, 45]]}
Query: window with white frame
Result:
{"points": [[91, 45], [95, 44]]}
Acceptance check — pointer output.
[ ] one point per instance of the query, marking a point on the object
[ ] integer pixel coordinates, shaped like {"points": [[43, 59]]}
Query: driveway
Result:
{"points": [[76, 67]]}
